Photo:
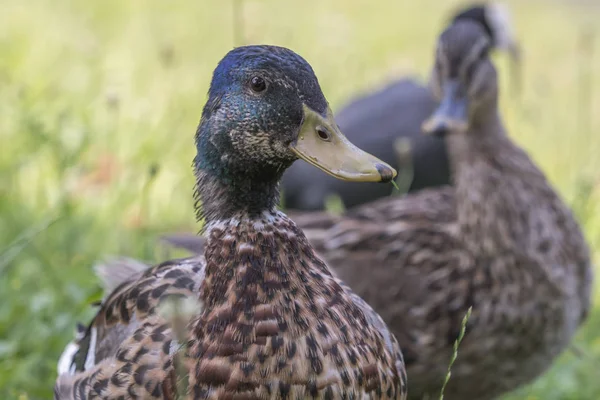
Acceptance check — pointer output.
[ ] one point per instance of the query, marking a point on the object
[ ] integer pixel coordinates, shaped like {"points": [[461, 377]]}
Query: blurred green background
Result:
{"points": [[99, 101]]}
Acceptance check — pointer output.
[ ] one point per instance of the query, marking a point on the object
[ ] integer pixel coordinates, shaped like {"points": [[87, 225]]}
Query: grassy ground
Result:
{"points": [[98, 105]]}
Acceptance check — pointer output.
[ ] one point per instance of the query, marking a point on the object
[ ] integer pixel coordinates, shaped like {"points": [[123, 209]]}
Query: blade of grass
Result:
{"points": [[403, 149], [23, 240], [461, 335]]}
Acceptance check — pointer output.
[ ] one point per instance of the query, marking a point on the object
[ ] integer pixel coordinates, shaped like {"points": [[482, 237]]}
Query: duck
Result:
{"points": [[500, 240], [377, 120], [266, 317]]}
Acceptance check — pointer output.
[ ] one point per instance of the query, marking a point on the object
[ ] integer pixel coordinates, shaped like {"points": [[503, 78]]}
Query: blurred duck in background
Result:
{"points": [[500, 240], [378, 122]]}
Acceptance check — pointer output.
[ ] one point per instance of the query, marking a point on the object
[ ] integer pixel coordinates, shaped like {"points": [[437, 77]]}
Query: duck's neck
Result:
{"points": [[229, 183], [496, 186], [222, 196], [485, 139], [255, 268]]}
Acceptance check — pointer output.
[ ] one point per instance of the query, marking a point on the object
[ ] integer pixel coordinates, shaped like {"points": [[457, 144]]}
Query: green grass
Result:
{"points": [[99, 101], [461, 335]]}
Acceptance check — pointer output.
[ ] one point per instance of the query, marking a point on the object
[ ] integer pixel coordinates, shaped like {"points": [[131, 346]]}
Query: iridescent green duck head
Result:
{"points": [[265, 110]]}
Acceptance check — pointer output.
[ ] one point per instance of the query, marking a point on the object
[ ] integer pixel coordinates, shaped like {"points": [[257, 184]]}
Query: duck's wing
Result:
{"points": [[127, 348], [112, 273]]}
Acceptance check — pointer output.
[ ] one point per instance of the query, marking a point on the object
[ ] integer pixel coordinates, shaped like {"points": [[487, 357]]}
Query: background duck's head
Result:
{"points": [[495, 20], [265, 110], [464, 79]]}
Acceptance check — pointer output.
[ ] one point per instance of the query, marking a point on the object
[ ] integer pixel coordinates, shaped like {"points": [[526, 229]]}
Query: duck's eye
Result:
{"points": [[323, 134], [258, 84]]}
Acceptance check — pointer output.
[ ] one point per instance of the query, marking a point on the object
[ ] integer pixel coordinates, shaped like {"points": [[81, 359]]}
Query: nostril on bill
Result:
{"points": [[386, 173]]}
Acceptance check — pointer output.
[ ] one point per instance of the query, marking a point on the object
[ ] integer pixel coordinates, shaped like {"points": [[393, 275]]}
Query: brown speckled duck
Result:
{"points": [[502, 242], [272, 321]]}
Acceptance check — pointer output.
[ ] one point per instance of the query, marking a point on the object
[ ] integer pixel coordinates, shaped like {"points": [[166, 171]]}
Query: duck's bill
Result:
{"points": [[451, 114], [320, 143]]}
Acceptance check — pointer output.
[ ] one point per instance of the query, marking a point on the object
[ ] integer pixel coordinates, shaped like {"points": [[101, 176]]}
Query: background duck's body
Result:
{"points": [[502, 242], [272, 321]]}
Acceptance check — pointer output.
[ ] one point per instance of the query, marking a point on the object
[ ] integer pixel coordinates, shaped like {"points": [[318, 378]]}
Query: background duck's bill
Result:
{"points": [[452, 113]]}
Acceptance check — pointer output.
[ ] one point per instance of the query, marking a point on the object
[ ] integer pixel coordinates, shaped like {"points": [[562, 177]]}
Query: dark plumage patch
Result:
{"points": [[122, 355], [159, 291], [158, 336], [328, 395], [157, 391], [116, 380], [312, 388], [174, 274], [166, 347], [140, 371], [247, 368], [101, 385], [276, 343], [213, 373], [284, 389], [143, 303]]}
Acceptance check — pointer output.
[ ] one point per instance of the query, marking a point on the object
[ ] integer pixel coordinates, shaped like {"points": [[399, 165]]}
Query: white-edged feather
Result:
{"points": [[65, 362]]}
